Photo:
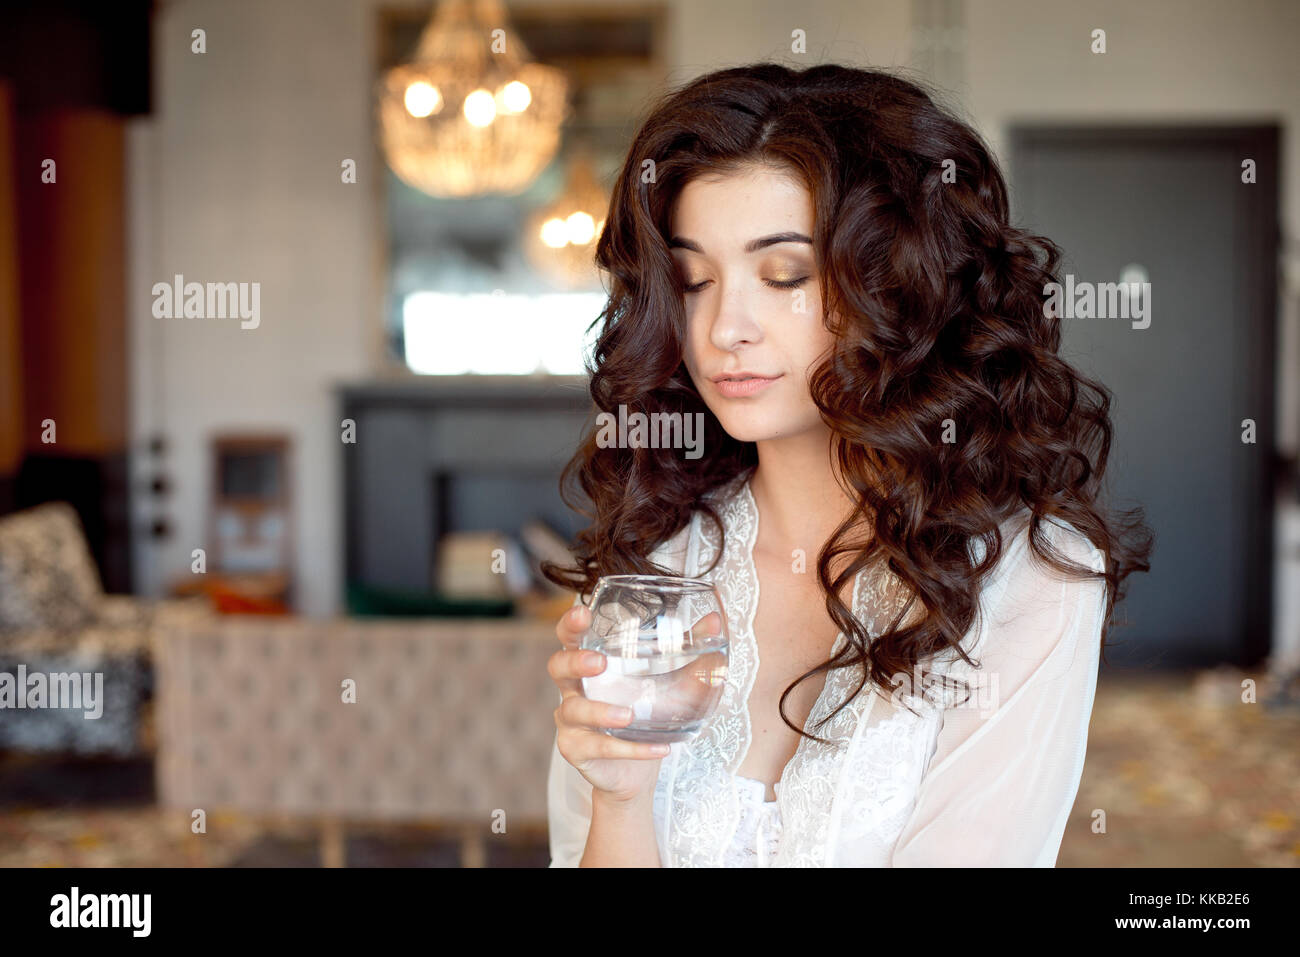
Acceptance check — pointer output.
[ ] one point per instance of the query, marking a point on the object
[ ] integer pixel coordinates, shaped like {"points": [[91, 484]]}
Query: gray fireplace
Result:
{"points": [[440, 454]]}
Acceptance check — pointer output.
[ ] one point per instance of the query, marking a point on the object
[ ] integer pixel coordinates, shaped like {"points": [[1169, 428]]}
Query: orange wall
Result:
{"points": [[72, 260], [11, 381]]}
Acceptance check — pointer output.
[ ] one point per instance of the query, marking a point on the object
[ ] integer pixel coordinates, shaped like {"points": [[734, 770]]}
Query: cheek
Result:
{"points": [[807, 340], [692, 345], [690, 358]]}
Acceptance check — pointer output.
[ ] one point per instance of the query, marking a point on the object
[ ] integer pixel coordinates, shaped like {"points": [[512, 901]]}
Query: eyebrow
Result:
{"points": [[753, 246]]}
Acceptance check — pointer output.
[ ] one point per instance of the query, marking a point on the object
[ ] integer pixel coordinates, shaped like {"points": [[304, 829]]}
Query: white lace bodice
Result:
{"points": [[988, 782]]}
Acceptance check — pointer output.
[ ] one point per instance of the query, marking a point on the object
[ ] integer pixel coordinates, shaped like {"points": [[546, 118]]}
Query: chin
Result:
{"points": [[755, 426]]}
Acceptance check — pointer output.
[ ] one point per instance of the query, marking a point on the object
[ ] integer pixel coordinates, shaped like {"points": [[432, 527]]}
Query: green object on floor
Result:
{"points": [[368, 601]]}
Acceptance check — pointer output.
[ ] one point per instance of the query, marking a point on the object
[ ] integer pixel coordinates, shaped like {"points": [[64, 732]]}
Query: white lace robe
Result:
{"points": [[988, 783]]}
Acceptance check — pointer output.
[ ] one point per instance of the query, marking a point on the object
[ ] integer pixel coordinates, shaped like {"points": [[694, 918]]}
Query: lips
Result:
{"points": [[741, 374], [736, 385]]}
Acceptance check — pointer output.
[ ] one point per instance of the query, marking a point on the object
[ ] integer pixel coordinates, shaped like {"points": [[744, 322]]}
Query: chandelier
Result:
{"points": [[559, 239], [472, 113]]}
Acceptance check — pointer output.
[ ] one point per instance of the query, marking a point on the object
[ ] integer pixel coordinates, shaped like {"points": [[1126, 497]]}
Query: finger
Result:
{"points": [[616, 748], [581, 711], [688, 693], [578, 746], [573, 623], [710, 626], [699, 682], [569, 666]]}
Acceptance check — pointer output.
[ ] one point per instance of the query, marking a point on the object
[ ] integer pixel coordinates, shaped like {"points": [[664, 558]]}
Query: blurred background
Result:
{"points": [[294, 305]]}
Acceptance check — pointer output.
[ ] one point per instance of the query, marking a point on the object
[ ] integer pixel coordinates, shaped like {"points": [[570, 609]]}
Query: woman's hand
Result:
{"points": [[623, 771]]}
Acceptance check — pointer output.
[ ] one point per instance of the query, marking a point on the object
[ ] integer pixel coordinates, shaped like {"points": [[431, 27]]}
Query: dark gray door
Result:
{"points": [[1171, 204]]}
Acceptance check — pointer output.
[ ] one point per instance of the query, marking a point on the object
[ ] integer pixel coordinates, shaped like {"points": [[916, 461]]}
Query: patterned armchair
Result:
{"points": [[56, 619]]}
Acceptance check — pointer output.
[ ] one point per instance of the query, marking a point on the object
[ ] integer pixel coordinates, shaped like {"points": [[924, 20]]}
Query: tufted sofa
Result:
{"points": [[451, 722]]}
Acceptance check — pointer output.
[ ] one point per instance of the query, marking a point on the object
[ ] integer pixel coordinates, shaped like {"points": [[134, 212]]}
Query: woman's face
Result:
{"points": [[743, 247]]}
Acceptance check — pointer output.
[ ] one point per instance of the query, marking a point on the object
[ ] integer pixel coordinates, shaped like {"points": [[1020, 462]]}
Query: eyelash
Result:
{"points": [[775, 284]]}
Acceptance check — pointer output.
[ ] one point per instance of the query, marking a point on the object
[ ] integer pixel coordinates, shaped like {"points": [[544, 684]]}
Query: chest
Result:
{"points": [[793, 633]]}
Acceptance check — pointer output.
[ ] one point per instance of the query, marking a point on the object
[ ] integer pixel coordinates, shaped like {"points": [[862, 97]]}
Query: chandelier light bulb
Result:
{"points": [[480, 108], [555, 233], [422, 99], [581, 228], [516, 96]]}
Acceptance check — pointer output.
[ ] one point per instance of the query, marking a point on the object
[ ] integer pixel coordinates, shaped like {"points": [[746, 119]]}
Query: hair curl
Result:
{"points": [[937, 307]]}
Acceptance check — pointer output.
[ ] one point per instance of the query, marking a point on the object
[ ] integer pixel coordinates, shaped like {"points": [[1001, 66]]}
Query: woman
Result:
{"points": [[820, 262]]}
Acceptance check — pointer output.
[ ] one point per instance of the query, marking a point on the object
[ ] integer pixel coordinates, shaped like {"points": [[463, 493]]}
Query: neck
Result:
{"points": [[797, 493]]}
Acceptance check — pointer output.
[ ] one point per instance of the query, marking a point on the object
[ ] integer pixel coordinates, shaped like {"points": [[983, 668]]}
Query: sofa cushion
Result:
{"points": [[48, 578]]}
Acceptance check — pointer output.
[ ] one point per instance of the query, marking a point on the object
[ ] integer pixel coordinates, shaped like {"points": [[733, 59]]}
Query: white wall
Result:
{"points": [[235, 177]]}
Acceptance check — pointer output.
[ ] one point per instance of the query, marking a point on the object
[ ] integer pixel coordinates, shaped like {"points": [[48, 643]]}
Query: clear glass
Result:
{"points": [[667, 649]]}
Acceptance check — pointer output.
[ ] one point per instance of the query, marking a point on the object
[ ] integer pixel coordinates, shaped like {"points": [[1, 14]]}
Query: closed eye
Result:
{"points": [[773, 283]]}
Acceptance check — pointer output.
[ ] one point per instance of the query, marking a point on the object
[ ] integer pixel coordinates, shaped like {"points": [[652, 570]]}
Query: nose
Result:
{"points": [[734, 323]]}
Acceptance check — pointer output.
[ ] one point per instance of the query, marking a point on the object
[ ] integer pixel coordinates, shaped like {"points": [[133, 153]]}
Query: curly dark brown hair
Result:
{"points": [[937, 307]]}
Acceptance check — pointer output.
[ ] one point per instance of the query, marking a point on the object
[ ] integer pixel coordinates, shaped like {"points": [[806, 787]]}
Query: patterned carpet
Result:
{"points": [[1189, 775], [1185, 773]]}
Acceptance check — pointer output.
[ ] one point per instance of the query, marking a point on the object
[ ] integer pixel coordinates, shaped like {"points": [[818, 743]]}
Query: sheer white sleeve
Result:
{"points": [[568, 809], [568, 805], [568, 793], [1006, 768]]}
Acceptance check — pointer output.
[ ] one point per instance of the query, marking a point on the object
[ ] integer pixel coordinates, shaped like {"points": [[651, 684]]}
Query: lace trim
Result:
{"points": [[702, 826]]}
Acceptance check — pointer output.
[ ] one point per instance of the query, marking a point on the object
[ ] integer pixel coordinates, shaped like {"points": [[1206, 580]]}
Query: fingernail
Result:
{"points": [[592, 659]]}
